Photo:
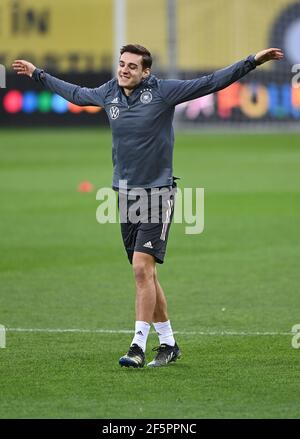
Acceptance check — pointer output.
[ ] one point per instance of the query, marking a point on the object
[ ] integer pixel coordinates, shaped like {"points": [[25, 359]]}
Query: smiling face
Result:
{"points": [[130, 71]]}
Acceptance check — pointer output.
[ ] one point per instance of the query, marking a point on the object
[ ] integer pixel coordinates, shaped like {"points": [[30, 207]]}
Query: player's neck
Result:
{"points": [[128, 91]]}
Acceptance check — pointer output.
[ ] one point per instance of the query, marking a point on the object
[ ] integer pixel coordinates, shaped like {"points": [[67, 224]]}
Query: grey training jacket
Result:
{"points": [[142, 131]]}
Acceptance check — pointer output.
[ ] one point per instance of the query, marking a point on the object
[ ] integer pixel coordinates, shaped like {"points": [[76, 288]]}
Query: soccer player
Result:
{"points": [[140, 109]]}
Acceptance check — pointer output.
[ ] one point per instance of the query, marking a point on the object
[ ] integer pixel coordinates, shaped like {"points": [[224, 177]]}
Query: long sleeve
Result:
{"points": [[177, 91], [71, 92]]}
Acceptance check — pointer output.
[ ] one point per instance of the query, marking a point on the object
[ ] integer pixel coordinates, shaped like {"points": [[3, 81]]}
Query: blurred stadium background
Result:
{"points": [[77, 41], [233, 291]]}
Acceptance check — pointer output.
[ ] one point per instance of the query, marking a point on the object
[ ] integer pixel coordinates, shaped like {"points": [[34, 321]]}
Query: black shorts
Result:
{"points": [[147, 230]]}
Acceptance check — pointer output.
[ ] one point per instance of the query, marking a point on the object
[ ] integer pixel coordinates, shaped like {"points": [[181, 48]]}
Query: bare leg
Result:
{"points": [[160, 311], [144, 268]]}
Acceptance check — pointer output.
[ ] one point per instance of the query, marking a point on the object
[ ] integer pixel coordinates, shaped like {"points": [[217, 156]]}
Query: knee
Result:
{"points": [[142, 271]]}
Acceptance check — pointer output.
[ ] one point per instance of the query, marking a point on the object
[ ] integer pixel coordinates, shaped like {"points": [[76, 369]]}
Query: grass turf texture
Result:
{"points": [[61, 269]]}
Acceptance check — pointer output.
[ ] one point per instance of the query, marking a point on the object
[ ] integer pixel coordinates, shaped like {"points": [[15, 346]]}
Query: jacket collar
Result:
{"points": [[141, 84]]}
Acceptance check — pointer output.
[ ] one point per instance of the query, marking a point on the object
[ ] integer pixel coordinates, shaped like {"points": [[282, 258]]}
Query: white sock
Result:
{"points": [[164, 332], [141, 334]]}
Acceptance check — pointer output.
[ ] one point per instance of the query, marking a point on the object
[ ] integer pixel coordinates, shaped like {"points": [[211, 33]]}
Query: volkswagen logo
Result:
{"points": [[114, 112]]}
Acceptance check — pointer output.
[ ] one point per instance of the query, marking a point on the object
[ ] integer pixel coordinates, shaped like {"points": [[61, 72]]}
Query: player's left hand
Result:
{"points": [[267, 55]]}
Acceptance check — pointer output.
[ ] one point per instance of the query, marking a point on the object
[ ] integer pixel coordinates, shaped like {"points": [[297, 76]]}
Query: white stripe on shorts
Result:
{"points": [[166, 223]]}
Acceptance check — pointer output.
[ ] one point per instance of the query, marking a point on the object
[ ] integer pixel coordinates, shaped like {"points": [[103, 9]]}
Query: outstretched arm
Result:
{"points": [[268, 55], [177, 91], [71, 92], [23, 67]]}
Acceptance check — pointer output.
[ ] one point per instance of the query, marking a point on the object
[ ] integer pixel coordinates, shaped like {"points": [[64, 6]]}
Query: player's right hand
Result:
{"points": [[23, 67]]}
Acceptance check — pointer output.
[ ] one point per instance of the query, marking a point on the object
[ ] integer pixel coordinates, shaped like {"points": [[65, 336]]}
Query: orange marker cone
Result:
{"points": [[85, 186]]}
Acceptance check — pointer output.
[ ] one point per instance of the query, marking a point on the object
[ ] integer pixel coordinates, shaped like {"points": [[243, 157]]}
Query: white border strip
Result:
{"points": [[128, 331]]}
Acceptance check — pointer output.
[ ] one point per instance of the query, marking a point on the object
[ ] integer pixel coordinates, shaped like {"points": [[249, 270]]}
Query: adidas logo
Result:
{"points": [[115, 101], [148, 244], [139, 333], [136, 359], [169, 357]]}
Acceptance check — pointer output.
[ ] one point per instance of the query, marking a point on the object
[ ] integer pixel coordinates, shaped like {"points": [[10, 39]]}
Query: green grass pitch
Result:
{"points": [[61, 269]]}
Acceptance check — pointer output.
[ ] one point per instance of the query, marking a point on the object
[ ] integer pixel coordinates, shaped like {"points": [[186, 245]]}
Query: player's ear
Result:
{"points": [[146, 72]]}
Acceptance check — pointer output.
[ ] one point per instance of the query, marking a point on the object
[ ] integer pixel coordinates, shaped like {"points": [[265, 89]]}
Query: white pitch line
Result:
{"points": [[128, 331]]}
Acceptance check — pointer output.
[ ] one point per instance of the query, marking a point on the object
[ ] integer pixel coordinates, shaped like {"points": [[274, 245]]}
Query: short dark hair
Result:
{"points": [[139, 50]]}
